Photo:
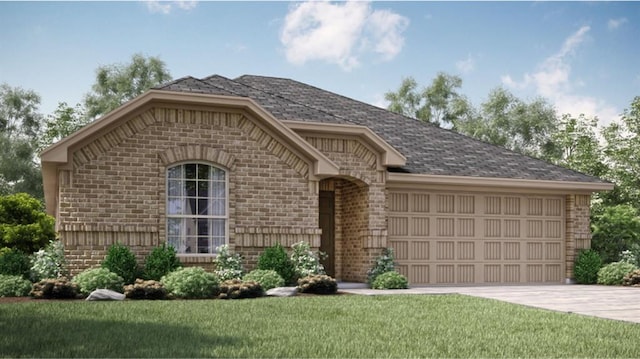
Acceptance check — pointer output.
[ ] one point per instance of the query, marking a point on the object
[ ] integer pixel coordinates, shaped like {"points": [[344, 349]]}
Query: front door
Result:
{"points": [[327, 224]]}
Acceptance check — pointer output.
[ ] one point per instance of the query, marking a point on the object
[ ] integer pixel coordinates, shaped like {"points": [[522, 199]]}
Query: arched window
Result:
{"points": [[197, 208]]}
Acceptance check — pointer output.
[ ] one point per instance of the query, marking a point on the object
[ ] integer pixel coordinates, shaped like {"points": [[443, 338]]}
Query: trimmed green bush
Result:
{"points": [[121, 261], [55, 288], [145, 289], [268, 279], [587, 266], [14, 286], [239, 289], [98, 278], [276, 258], [160, 262], [305, 261], [191, 282], [384, 263], [613, 273], [49, 262], [23, 223], [228, 265], [390, 280], [318, 284], [14, 262]]}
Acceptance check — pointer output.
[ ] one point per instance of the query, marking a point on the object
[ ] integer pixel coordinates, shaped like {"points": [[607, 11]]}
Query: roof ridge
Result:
{"points": [[173, 82]]}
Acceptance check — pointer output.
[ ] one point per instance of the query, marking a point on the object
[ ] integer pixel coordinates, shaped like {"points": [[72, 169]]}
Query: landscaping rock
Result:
{"points": [[282, 292], [105, 294]]}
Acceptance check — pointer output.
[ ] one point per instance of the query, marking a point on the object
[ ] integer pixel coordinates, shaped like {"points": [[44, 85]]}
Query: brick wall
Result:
{"points": [[115, 190], [578, 228]]}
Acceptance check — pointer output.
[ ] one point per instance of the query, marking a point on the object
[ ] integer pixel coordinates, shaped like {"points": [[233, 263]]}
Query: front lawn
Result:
{"points": [[332, 326]]}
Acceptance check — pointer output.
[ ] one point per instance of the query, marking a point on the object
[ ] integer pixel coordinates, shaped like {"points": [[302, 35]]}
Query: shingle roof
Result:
{"points": [[428, 149]]}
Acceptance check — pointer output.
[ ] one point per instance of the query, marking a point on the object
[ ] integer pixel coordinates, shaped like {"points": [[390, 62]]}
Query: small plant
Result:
{"points": [[628, 257], [390, 280], [160, 262], [613, 273], [318, 284], [55, 288], [305, 261], [121, 261], [98, 278], [14, 262], [49, 262], [238, 289], [191, 282], [587, 266], [228, 265], [23, 223], [268, 279], [632, 279], [145, 289], [383, 264], [277, 259], [14, 286]]}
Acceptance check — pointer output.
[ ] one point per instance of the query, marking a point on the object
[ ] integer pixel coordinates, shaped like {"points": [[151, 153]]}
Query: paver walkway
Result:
{"points": [[619, 303]]}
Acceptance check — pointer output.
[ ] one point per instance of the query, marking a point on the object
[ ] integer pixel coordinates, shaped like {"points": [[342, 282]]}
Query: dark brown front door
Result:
{"points": [[327, 224]]}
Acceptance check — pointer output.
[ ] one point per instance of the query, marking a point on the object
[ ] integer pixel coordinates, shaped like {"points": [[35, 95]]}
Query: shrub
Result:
{"points": [[14, 286], [613, 273], [615, 229], [267, 278], [55, 288], [305, 261], [628, 256], [98, 278], [238, 289], [317, 284], [276, 258], [49, 262], [632, 278], [390, 280], [23, 224], [14, 262], [121, 261], [228, 265], [383, 264], [191, 282], [160, 262], [145, 289], [587, 266]]}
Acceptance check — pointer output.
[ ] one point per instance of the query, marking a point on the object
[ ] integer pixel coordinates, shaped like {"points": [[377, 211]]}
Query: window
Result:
{"points": [[197, 209]]}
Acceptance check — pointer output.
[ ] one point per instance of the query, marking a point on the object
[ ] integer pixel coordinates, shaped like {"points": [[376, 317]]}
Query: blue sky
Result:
{"points": [[584, 57]]}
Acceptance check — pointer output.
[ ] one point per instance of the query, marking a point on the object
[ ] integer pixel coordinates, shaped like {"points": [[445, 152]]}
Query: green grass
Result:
{"points": [[333, 326]]}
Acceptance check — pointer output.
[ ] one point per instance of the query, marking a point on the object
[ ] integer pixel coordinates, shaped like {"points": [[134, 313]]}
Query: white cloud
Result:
{"points": [[553, 81], [613, 24], [341, 33], [165, 7], [467, 65]]}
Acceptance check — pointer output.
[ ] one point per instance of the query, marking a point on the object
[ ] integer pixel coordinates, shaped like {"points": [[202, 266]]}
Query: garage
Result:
{"points": [[453, 238]]}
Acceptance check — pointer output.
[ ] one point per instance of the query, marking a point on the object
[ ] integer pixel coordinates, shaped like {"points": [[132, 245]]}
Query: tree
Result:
{"points": [[439, 103], [64, 121], [19, 116], [118, 83]]}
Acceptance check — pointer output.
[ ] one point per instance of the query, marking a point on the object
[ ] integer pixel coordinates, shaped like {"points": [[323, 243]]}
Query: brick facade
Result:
{"points": [[578, 228]]}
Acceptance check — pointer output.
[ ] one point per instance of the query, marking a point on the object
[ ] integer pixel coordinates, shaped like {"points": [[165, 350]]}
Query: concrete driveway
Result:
{"points": [[618, 303]]}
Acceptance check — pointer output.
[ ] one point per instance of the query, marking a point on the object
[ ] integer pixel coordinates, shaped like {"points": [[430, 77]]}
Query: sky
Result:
{"points": [[583, 57]]}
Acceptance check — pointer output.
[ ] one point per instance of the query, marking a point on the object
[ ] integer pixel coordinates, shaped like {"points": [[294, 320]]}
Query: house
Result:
{"points": [[256, 161]]}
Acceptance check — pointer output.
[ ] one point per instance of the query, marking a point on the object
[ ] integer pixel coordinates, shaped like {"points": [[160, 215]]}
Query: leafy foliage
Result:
{"points": [[614, 273], [276, 258], [390, 280], [587, 266], [64, 121], [267, 278], [121, 261], [317, 284], [14, 286], [191, 282], [160, 262], [615, 229], [305, 261], [239, 289], [98, 278], [14, 262], [384, 263], [228, 265], [145, 289], [49, 262], [55, 288], [23, 224]]}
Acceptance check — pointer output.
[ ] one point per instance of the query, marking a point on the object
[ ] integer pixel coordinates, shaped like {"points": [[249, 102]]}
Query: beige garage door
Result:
{"points": [[477, 238]]}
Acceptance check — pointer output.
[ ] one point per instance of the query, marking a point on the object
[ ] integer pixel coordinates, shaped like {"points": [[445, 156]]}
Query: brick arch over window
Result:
{"points": [[197, 153]]}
